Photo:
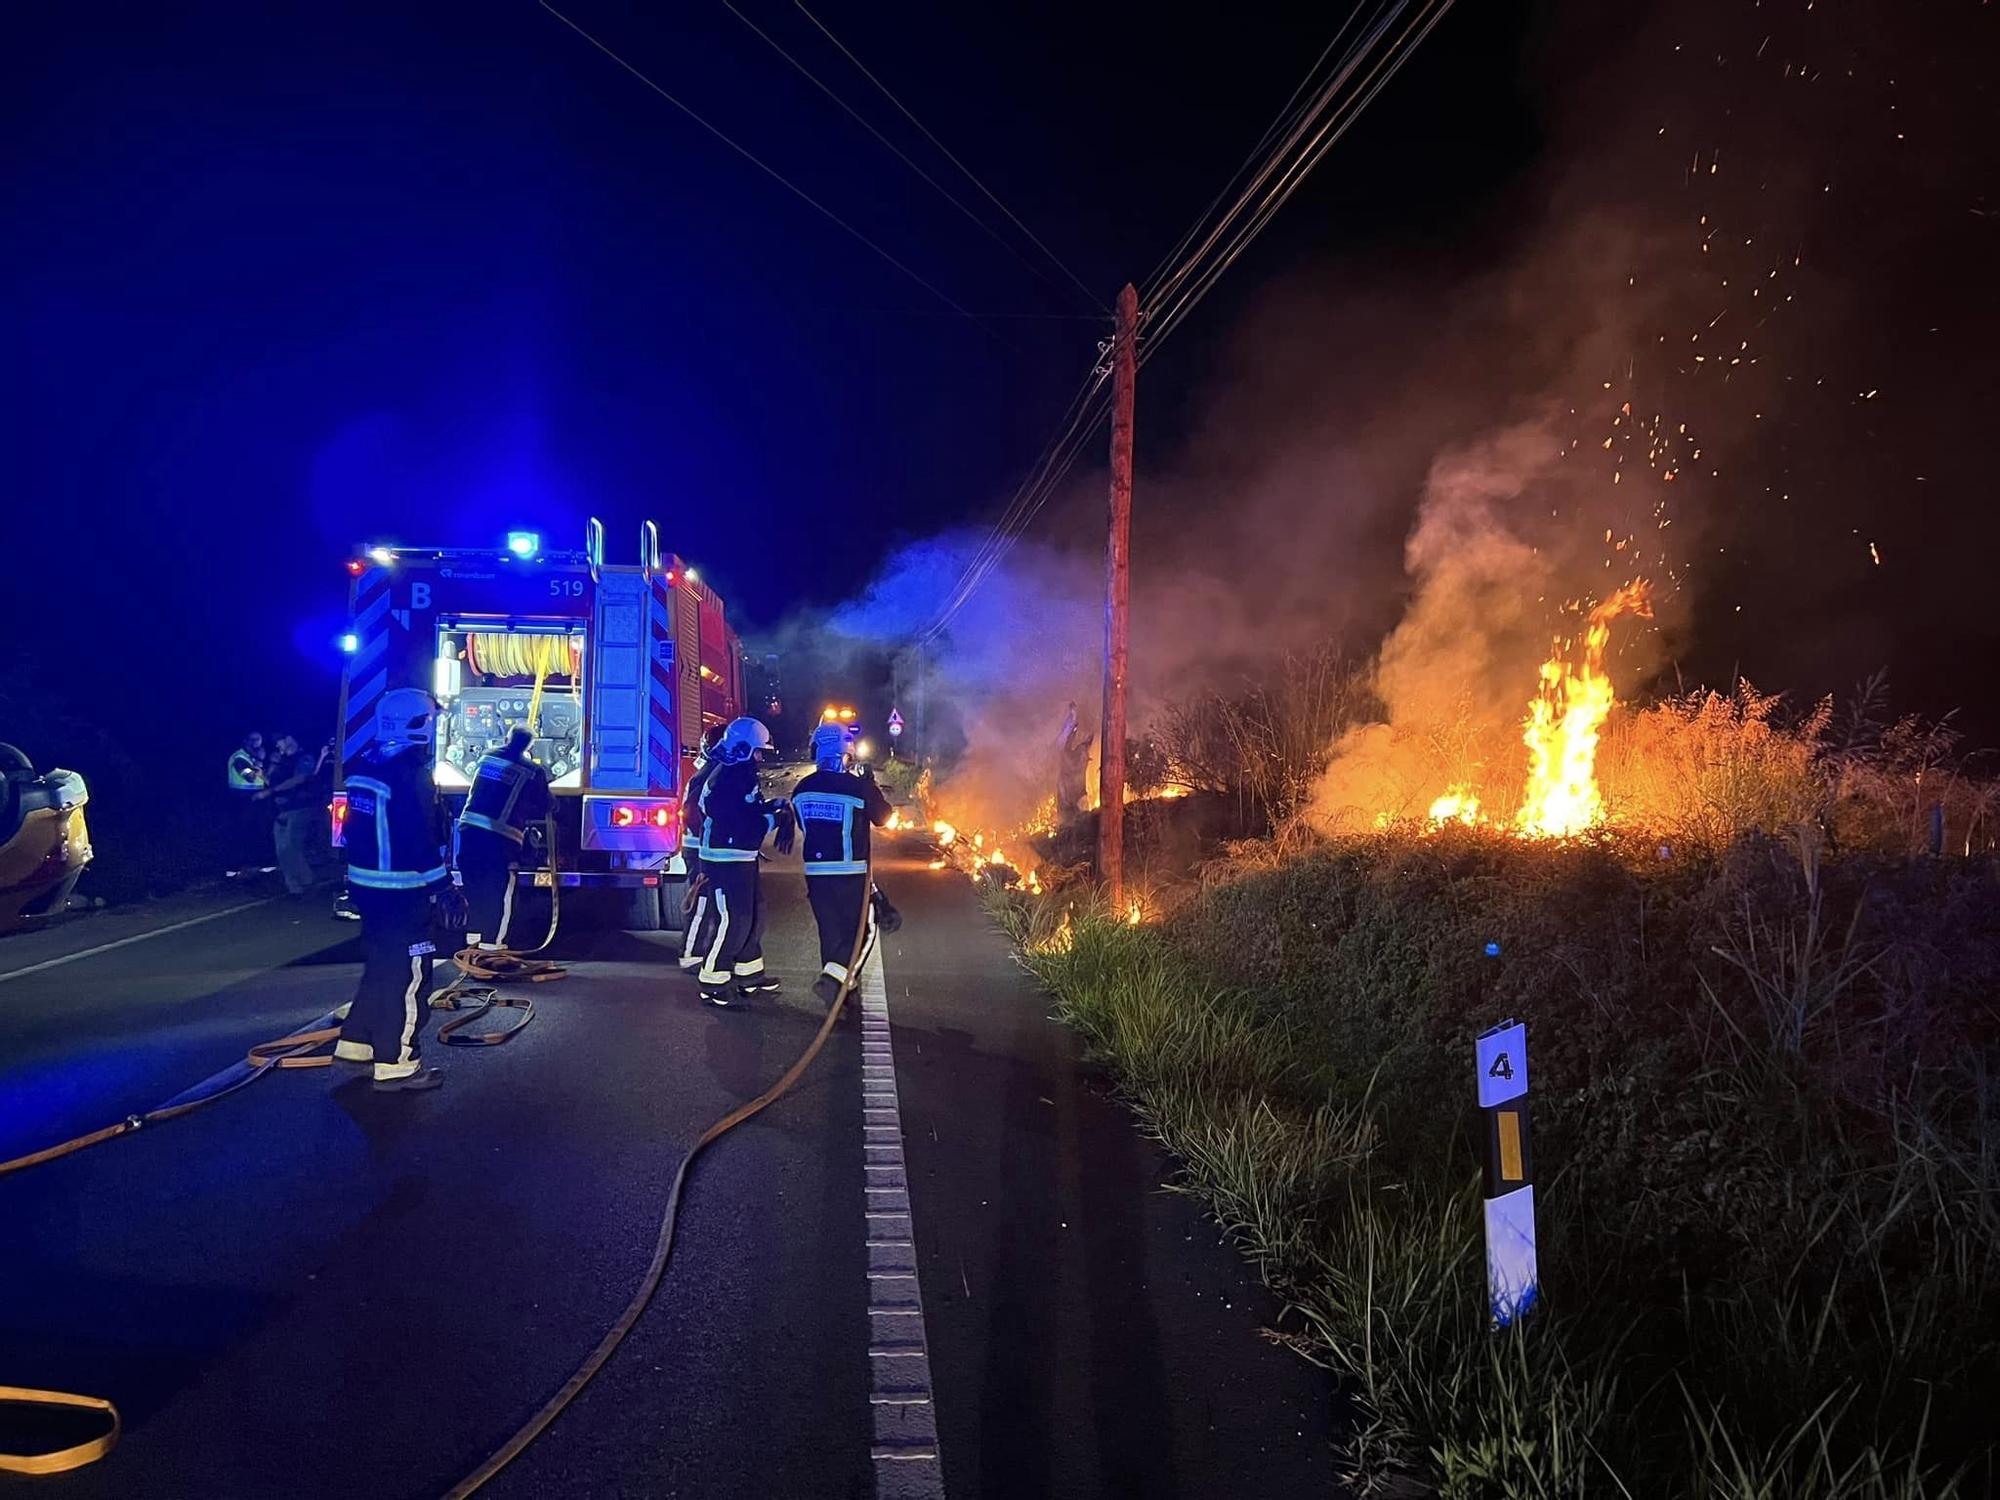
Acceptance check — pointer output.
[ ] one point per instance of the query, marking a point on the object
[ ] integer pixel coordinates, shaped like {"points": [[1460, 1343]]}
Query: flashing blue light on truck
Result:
{"points": [[350, 643], [523, 543]]}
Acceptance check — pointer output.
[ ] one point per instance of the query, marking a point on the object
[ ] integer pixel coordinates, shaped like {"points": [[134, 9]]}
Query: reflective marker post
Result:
{"points": [[1512, 1283]]}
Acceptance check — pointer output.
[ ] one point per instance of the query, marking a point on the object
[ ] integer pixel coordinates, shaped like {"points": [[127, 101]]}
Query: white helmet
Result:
{"points": [[743, 739], [406, 716]]}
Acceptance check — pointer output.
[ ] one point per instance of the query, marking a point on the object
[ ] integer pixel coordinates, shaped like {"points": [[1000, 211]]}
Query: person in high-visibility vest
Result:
{"points": [[510, 793], [836, 808], [251, 810], [396, 873]]}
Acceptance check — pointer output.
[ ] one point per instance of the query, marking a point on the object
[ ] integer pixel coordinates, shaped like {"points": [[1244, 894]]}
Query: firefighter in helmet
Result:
{"points": [[835, 808], [736, 819], [396, 871], [700, 926], [510, 794]]}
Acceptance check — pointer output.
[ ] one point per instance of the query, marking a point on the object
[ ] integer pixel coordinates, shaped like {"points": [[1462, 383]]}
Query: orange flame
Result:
{"points": [[1564, 721]]}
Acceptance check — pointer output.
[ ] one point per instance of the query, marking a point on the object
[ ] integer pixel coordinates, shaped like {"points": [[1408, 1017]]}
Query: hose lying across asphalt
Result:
{"points": [[295, 1051], [298, 1050], [663, 1247]]}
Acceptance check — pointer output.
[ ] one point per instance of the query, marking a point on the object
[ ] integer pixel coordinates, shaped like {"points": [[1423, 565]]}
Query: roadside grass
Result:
{"points": [[1767, 1145]]}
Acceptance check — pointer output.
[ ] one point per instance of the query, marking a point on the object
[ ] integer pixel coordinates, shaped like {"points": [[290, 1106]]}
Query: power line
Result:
{"points": [[862, 68], [1021, 508], [1328, 93], [1307, 133], [902, 156], [1336, 126], [1283, 118], [1057, 456], [760, 165]]}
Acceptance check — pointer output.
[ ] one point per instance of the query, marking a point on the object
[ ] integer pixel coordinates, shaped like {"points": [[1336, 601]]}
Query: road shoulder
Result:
{"points": [[1090, 1333]]}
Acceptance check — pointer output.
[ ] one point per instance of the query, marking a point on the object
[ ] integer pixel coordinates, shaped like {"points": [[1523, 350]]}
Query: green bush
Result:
{"points": [[1765, 1140]]}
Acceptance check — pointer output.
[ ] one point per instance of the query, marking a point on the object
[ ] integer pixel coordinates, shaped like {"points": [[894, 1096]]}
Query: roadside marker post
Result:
{"points": [[1513, 1284]]}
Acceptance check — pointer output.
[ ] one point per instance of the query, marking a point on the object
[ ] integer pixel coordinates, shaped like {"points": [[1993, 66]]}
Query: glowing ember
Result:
{"points": [[946, 834], [1564, 722], [1134, 913], [996, 858], [937, 864]]}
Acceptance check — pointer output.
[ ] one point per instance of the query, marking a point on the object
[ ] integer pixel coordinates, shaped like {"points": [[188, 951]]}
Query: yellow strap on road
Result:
{"points": [[57, 1460], [289, 1051]]}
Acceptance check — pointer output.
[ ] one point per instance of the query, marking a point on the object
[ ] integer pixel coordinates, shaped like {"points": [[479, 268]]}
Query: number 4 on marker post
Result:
{"points": [[1501, 1067]]}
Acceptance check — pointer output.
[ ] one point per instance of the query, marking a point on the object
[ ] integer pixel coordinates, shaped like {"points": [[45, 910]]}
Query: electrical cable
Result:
{"points": [[766, 169], [1323, 141], [1149, 286], [883, 88], [900, 155], [1058, 457], [1310, 131], [1326, 97]]}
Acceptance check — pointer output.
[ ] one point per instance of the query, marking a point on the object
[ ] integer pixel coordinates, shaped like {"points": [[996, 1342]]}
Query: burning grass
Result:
{"points": [[1768, 1136]]}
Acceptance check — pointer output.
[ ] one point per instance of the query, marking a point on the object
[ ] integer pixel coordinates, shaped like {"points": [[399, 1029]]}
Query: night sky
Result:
{"points": [[283, 278]]}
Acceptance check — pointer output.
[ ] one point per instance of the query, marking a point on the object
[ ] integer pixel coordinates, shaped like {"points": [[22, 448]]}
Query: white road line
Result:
{"points": [[905, 1450], [137, 937]]}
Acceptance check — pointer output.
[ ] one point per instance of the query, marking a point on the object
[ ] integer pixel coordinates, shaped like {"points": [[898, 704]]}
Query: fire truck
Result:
{"points": [[616, 668]]}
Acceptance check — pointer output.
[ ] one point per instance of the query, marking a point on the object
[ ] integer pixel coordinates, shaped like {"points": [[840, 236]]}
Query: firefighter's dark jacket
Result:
{"points": [[509, 792], [834, 810], [693, 820], [395, 826], [736, 816]]}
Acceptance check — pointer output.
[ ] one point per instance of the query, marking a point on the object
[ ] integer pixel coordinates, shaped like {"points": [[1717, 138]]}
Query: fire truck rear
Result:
{"points": [[616, 669]]}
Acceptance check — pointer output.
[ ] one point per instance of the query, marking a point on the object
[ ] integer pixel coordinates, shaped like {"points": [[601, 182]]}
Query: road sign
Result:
{"points": [[1513, 1280], [895, 723], [1503, 1064]]}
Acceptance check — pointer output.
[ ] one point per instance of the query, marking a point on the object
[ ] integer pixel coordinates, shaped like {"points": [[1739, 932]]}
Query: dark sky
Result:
{"points": [[281, 278]]}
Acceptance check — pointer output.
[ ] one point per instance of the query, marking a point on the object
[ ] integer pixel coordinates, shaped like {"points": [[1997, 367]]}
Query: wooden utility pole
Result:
{"points": [[1117, 592]]}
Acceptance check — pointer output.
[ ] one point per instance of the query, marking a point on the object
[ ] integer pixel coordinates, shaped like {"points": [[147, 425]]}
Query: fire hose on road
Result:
{"points": [[663, 1246], [299, 1049]]}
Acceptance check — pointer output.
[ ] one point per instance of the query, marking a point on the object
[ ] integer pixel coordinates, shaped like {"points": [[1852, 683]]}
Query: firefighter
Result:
{"points": [[835, 808], [250, 811], [699, 930], [396, 871], [510, 793], [736, 819]]}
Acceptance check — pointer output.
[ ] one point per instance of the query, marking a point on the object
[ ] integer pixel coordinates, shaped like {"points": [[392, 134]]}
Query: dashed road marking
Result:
{"points": [[905, 1447], [126, 942]]}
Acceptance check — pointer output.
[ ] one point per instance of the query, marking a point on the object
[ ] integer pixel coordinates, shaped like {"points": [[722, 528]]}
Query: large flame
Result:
{"points": [[1564, 722]]}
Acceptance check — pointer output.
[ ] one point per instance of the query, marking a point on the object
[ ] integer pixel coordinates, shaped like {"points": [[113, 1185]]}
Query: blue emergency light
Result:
{"points": [[523, 543], [350, 643]]}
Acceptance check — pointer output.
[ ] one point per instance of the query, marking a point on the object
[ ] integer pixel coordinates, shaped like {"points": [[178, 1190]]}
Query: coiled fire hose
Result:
{"points": [[663, 1247], [298, 1050], [493, 964]]}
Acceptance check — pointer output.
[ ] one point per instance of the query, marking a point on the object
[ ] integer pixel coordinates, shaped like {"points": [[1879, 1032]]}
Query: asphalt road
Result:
{"points": [[310, 1290]]}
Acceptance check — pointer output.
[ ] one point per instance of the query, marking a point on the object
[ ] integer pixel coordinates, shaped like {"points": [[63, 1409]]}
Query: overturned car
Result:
{"points": [[44, 844]]}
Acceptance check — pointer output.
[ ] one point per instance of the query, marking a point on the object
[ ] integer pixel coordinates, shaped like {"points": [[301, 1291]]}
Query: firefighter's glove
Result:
{"points": [[786, 830]]}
